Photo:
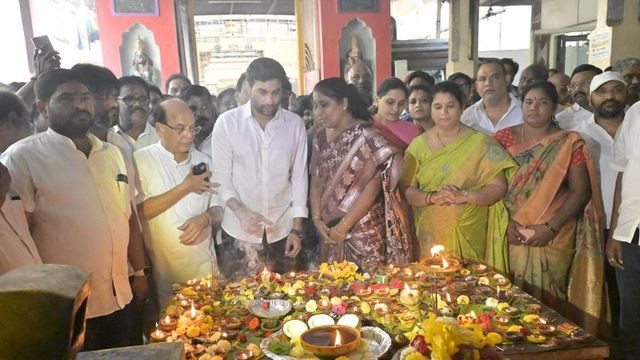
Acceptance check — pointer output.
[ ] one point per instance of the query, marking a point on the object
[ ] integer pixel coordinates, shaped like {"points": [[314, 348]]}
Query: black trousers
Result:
{"points": [[109, 331]]}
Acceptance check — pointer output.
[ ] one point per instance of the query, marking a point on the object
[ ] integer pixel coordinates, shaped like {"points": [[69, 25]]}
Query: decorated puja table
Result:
{"points": [[440, 308]]}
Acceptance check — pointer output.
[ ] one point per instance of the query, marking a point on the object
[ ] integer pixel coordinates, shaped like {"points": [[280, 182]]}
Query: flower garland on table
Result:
{"points": [[440, 338]]}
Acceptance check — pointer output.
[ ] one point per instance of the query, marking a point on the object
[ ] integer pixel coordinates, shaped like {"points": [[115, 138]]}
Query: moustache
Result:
{"points": [[83, 113], [610, 108], [138, 108]]}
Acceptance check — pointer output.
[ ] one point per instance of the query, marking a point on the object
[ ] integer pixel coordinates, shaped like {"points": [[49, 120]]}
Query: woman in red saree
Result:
{"points": [[391, 101], [555, 231], [355, 203]]}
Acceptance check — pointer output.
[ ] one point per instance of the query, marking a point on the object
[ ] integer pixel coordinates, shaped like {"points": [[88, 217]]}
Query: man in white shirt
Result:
{"points": [[76, 201], [199, 100], [133, 131], [260, 160], [178, 208], [623, 251], [607, 99], [578, 87], [498, 109]]}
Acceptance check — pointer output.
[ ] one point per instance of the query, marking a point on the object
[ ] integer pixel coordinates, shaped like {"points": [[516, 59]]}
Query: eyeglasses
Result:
{"points": [[181, 130], [130, 99], [195, 108], [579, 85]]}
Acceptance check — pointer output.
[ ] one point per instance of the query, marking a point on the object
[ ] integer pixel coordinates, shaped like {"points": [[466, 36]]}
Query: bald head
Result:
{"points": [[176, 127], [561, 81], [360, 76], [531, 74], [175, 108]]}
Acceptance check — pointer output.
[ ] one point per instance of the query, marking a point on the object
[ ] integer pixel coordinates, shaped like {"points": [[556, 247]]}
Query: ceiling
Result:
{"points": [[242, 7]]}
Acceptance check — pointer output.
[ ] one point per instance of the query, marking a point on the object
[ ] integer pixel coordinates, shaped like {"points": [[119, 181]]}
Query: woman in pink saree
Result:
{"points": [[355, 203], [391, 100]]}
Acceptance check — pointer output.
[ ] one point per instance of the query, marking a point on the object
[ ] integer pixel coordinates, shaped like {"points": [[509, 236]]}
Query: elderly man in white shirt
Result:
{"points": [[623, 250], [578, 88], [498, 109], [76, 199], [178, 206], [260, 160]]}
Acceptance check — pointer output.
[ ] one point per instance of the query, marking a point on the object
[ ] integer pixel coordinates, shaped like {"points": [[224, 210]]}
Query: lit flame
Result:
{"points": [[158, 332], [209, 283], [407, 288], [193, 310], [448, 298], [436, 250], [472, 315], [542, 321], [498, 289], [338, 341], [166, 320], [445, 263], [265, 272]]}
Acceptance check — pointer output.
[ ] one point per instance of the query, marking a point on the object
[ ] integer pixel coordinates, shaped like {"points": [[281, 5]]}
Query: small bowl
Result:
{"points": [[513, 336], [511, 311], [532, 308], [321, 340], [232, 324], [276, 308], [581, 336]]}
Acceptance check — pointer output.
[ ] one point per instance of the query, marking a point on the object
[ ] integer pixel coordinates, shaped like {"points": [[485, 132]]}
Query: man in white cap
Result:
{"points": [[607, 99], [623, 251], [607, 96]]}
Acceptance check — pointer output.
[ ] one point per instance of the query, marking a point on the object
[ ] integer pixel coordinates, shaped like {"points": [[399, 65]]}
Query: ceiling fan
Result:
{"points": [[491, 12]]}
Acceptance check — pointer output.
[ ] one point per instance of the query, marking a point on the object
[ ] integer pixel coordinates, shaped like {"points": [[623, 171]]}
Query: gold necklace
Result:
{"points": [[440, 141]]}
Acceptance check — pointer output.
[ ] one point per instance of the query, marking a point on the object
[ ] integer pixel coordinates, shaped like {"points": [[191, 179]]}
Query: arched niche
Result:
{"points": [[359, 29], [128, 47]]}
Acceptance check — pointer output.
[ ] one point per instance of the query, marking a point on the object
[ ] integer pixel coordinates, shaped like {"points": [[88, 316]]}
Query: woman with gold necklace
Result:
{"points": [[454, 178], [554, 234]]}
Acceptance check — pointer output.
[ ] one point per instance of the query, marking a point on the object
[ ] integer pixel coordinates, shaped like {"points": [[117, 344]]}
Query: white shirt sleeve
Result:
{"points": [[222, 161], [300, 177], [21, 181], [620, 146]]}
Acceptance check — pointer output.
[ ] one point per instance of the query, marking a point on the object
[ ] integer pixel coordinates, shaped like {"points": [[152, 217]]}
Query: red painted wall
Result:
{"points": [[163, 27], [331, 23]]}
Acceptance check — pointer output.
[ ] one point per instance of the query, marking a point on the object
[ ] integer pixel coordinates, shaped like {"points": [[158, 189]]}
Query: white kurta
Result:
{"points": [[81, 209], [173, 262]]}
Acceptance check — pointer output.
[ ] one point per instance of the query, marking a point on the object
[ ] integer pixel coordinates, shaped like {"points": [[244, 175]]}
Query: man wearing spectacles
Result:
{"points": [[177, 205], [203, 107], [579, 90], [133, 132]]}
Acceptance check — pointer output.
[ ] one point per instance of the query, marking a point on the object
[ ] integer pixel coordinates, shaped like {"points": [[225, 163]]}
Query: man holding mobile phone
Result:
{"points": [[178, 206]]}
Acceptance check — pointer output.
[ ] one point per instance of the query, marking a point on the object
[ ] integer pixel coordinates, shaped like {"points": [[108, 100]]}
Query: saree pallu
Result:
{"points": [[345, 165], [568, 273], [398, 133], [471, 231]]}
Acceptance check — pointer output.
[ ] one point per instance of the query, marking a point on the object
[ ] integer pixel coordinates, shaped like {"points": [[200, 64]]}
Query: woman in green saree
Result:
{"points": [[555, 231], [454, 178]]}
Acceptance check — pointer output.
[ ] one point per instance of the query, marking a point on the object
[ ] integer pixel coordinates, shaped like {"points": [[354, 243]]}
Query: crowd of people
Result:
{"points": [[146, 189]]}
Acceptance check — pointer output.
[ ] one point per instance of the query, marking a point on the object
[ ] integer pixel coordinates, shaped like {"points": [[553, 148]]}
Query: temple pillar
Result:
{"points": [[463, 36], [616, 34]]}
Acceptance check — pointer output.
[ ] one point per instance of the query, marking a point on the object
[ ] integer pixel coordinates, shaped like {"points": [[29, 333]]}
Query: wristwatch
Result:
{"points": [[142, 272], [296, 232]]}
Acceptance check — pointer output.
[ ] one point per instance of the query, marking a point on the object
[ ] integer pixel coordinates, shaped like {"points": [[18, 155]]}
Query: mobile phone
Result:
{"points": [[42, 43], [200, 169]]}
